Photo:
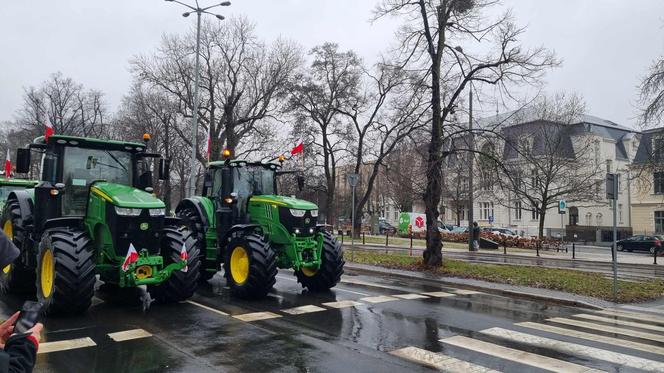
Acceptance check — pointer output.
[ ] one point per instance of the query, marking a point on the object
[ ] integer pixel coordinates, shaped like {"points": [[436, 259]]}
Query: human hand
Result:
{"points": [[7, 328], [35, 331]]}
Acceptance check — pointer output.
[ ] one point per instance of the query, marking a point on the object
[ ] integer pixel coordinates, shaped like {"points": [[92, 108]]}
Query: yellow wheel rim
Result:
{"points": [[47, 273], [239, 265], [8, 229], [309, 272]]}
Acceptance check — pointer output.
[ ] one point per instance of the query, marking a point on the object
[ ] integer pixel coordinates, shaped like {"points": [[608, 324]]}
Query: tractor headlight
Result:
{"points": [[157, 212], [127, 211], [297, 213], [314, 213]]}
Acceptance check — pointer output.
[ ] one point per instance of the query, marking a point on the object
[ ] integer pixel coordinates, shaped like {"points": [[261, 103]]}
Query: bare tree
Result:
{"points": [[548, 156], [243, 83], [652, 94], [429, 42]]}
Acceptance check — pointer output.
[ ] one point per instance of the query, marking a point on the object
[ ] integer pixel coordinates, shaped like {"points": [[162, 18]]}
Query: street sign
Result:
{"points": [[352, 179], [562, 206], [611, 186]]}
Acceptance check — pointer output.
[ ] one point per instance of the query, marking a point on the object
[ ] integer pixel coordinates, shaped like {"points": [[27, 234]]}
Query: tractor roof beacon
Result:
{"points": [[93, 203], [242, 222]]}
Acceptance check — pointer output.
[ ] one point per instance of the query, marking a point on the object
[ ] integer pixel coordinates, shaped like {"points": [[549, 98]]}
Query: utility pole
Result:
{"points": [[352, 180], [612, 195], [471, 157]]}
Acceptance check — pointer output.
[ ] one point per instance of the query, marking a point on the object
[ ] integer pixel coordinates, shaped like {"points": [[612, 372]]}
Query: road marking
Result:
{"points": [[70, 344], [608, 329], [522, 357], [576, 349], [438, 361], [466, 292], [632, 315], [594, 337], [303, 309], [336, 289], [256, 316], [378, 299], [286, 278], [438, 294], [369, 284], [129, 334], [207, 308], [620, 322], [649, 311], [410, 296], [342, 304]]}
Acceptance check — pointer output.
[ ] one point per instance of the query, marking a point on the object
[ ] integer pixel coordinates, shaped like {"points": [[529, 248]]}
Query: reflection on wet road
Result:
{"points": [[366, 324]]}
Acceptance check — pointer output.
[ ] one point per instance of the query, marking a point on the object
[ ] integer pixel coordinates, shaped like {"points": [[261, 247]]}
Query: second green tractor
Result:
{"points": [[242, 222]]}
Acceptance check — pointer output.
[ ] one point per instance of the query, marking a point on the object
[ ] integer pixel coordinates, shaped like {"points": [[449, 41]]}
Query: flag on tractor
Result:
{"points": [[208, 146], [8, 165], [48, 129], [184, 256], [297, 149], [132, 257]]}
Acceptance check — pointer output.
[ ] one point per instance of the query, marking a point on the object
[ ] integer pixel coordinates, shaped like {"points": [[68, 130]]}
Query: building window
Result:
{"points": [[534, 179], [658, 148], [486, 210], [609, 163], [620, 213], [659, 182], [659, 221], [534, 213], [517, 210]]}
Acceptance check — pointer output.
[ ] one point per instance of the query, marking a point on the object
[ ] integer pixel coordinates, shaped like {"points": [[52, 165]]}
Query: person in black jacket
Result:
{"points": [[17, 351]]}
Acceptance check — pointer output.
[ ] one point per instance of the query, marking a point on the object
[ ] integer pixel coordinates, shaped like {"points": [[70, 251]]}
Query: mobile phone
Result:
{"points": [[29, 316]]}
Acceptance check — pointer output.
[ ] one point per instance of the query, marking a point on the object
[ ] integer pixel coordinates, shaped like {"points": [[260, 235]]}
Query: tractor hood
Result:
{"points": [[291, 203], [126, 196]]}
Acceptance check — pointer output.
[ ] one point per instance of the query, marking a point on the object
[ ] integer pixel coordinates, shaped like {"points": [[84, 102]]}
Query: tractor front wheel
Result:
{"points": [[191, 216], [16, 277], [250, 266], [183, 283], [65, 271], [331, 268]]}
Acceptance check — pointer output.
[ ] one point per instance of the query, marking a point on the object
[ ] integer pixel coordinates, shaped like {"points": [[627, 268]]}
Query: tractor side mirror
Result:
{"points": [[23, 160], [300, 182], [164, 169]]}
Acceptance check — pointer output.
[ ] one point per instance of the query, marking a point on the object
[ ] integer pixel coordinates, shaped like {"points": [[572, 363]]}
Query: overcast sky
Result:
{"points": [[606, 45]]}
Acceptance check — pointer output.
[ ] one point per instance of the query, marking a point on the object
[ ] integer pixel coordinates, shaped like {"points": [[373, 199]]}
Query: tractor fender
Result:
{"points": [[25, 203], [68, 222], [203, 206], [241, 228]]}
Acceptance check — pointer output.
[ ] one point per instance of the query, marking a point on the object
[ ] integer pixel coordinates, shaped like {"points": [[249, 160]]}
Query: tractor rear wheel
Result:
{"points": [[181, 285], [65, 271], [250, 266], [331, 268], [16, 277], [189, 214]]}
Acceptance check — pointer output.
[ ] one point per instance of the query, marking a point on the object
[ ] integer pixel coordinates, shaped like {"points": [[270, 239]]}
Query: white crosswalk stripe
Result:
{"points": [[633, 316], [608, 329], [522, 357], [621, 322], [594, 337], [439, 361], [576, 349]]}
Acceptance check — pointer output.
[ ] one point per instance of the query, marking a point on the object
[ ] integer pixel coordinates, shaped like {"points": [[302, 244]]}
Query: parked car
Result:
{"points": [[459, 229], [504, 232], [385, 227], [641, 243]]}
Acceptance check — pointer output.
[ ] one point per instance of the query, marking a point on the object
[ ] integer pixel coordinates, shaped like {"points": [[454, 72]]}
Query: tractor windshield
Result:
{"points": [[253, 181], [83, 166]]}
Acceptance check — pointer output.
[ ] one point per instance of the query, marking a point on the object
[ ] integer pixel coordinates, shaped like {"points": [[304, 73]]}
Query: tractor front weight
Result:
{"points": [[304, 252], [145, 271]]}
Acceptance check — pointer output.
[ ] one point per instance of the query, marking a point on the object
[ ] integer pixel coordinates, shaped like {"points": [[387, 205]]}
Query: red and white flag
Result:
{"points": [[208, 146], [132, 257], [8, 166], [48, 128], [297, 149], [184, 256]]}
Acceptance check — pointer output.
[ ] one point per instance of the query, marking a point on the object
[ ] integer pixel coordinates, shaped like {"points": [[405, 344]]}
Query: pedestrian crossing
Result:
{"points": [[603, 340]]}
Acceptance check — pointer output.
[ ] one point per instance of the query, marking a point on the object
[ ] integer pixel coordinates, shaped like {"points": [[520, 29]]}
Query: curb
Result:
{"points": [[511, 293]]}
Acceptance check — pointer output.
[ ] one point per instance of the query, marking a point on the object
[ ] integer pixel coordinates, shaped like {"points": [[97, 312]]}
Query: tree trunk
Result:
{"points": [[540, 230]]}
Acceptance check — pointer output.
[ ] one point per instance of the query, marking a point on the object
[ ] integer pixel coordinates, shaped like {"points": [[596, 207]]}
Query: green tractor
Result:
{"points": [[9, 185], [94, 213], [242, 222]]}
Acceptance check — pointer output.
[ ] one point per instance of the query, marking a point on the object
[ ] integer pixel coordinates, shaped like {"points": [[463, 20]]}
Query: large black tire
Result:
{"points": [[181, 285], [252, 272], [189, 214], [65, 271], [331, 269], [17, 277]]}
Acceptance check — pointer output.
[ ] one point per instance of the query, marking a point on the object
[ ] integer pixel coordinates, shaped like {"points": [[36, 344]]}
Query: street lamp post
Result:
{"points": [[191, 183]]}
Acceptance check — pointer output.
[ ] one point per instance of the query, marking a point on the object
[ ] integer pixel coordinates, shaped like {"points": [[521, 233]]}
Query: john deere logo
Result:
{"points": [[144, 226], [307, 220]]}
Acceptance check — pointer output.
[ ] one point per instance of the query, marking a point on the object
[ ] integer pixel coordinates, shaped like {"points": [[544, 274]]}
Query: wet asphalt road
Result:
{"points": [[216, 333]]}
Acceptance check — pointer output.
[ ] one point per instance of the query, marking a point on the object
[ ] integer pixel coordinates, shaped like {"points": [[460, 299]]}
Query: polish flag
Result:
{"points": [[297, 149], [132, 257], [49, 129], [184, 256], [208, 146], [8, 166]]}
